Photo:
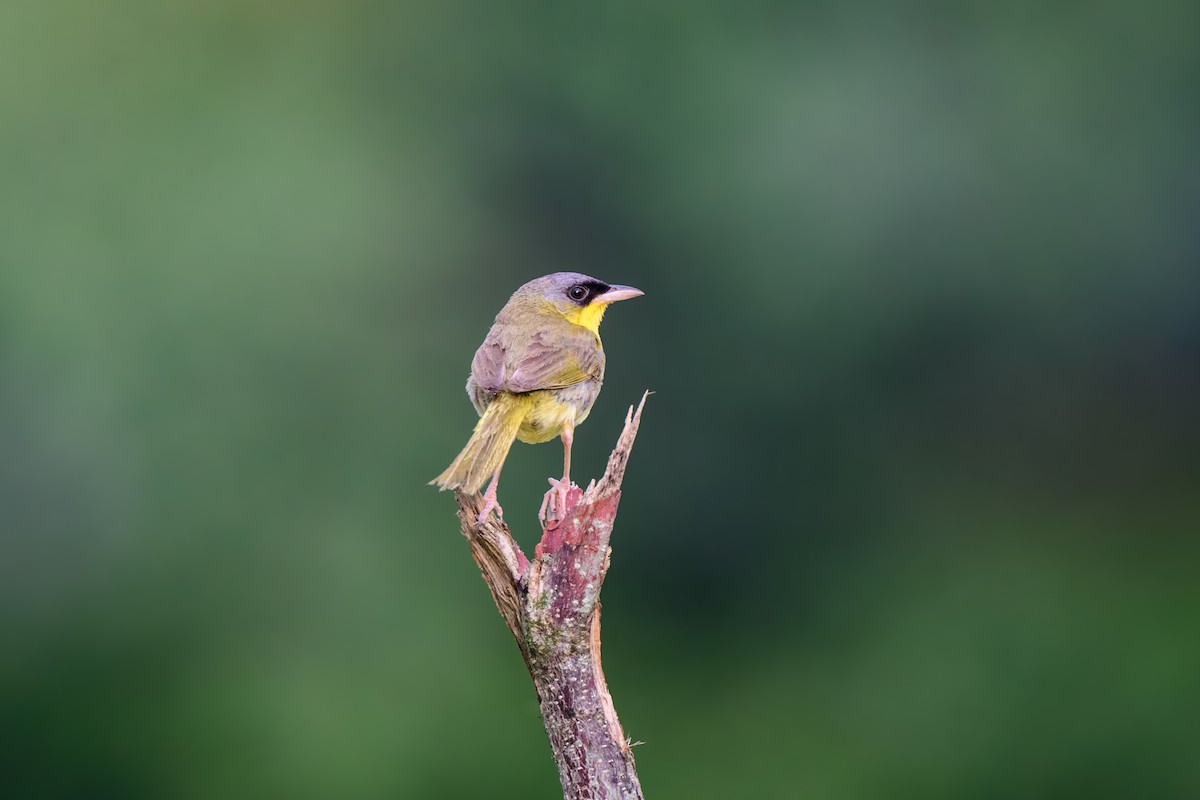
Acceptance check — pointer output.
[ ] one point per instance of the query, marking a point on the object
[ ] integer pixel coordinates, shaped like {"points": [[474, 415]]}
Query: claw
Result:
{"points": [[554, 503], [489, 503]]}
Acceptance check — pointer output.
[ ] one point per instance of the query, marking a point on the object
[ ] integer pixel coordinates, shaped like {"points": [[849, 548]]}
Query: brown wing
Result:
{"points": [[487, 368], [547, 360]]}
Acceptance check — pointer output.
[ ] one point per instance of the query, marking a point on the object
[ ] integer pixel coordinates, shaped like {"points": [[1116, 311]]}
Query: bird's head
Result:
{"points": [[578, 298]]}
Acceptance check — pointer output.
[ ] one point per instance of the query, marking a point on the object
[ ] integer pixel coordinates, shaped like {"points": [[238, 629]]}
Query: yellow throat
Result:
{"points": [[587, 317]]}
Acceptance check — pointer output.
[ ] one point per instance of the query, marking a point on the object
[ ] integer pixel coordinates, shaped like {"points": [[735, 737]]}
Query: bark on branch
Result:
{"points": [[552, 608]]}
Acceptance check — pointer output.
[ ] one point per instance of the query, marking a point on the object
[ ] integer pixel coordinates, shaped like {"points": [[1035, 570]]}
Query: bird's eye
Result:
{"points": [[578, 293]]}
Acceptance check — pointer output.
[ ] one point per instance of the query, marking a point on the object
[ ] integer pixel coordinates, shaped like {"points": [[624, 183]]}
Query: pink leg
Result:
{"points": [[568, 436], [489, 500], [556, 499]]}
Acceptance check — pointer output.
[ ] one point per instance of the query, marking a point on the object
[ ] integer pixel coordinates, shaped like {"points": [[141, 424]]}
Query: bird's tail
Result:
{"points": [[489, 444]]}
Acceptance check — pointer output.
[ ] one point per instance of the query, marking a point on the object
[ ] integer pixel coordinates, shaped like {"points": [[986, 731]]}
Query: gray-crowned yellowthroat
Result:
{"points": [[535, 377]]}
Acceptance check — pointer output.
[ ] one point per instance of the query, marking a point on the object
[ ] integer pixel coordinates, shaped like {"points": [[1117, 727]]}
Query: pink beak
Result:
{"points": [[616, 293]]}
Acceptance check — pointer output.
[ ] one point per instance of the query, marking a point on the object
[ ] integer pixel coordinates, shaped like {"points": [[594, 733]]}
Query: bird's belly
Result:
{"points": [[553, 408]]}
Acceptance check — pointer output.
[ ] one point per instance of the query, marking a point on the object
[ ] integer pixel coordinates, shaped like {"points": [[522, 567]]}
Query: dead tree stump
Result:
{"points": [[552, 607]]}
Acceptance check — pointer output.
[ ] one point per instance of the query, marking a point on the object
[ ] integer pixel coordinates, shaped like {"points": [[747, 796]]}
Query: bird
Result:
{"points": [[536, 376]]}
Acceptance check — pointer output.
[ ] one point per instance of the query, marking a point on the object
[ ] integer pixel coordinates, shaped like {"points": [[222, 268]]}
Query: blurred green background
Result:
{"points": [[913, 512]]}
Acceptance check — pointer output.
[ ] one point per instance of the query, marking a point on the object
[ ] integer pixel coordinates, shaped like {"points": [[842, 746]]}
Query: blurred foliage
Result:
{"points": [[913, 510]]}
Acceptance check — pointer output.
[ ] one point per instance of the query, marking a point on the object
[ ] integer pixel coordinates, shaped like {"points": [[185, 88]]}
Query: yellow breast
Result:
{"points": [[545, 418]]}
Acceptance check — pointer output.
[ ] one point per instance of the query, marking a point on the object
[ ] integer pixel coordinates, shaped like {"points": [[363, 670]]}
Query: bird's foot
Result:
{"points": [[489, 503], [554, 504]]}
